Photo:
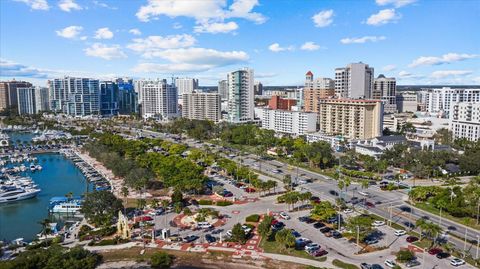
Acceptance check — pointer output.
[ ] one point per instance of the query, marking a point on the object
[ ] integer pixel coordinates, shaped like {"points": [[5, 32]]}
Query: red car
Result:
{"points": [[143, 218], [249, 190], [434, 251], [369, 204], [411, 239], [319, 253]]}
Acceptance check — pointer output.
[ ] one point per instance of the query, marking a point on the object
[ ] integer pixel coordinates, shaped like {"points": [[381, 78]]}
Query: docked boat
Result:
{"points": [[11, 193], [65, 205], [38, 167]]}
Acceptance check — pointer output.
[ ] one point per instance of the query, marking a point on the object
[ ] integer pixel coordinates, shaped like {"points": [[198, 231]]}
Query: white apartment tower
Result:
{"points": [[439, 101], [158, 99], [41, 99], [240, 96], [465, 121], [75, 96], [385, 89], [202, 106], [289, 122], [354, 81], [26, 101], [186, 85], [223, 89]]}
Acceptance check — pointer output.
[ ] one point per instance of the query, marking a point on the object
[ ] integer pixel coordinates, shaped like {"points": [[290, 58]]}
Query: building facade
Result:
{"points": [[127, 97], [26, 101], [185, 85], [316, 89], [202, 106], [439, 101], [354, 81], [41, 99], [407, 101], [277, 102], [76, 97], [289, 122], [465, 120], [385, 89], [223, 89], [354, 119], [8, 93], [240, 96], [258, 88], [158, 99], [108, 98]]}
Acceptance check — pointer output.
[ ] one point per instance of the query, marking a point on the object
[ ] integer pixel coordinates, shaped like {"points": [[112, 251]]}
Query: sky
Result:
{"points": [[420, 42]]}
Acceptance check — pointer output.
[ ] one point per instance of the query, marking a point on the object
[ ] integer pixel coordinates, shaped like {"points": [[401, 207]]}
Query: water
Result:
{"points": [[58, 177]]}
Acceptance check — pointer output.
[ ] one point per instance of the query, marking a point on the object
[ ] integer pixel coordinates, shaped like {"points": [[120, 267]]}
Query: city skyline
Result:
{"points": [[150, 39]]}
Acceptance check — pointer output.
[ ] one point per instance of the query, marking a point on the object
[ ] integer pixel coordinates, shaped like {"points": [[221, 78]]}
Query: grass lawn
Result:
{"points": [[344, 265], [470, 222], [274, 247]]}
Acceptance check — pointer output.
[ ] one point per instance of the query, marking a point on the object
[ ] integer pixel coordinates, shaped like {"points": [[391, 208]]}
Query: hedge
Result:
{"points": [[205, 202], [224, 203], [252, 218]]}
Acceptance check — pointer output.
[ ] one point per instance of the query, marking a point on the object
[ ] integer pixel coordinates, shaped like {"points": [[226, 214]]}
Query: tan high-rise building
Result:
{"points": [[316, 89], [352, 118], [202, 106], [8, 93], [385, 89]]}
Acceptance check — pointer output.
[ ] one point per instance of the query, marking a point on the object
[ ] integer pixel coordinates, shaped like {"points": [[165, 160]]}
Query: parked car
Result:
{"points": [[369, 204], [325, 230], [434, 251], [190, 238], [334, 193], [348, 211], [319, 253], [371, 241], [304, 218], [400, 232], [284, 215], [336, 234], [249, 190], [210, 239], [365, 265], [311, 247], [412, 263], [442, 255], [411, 239], [390, 263], [364, 193], [378, 223], [318, 225], [457, 262], [295, 233]]}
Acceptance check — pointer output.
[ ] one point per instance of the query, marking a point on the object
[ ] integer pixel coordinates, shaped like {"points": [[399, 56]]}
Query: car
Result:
{"points": [[249, 190], [369, 204], [296, 234], [325, 230], [284, 215], [400, 232], [204, 225], [412, 263], [310, 221], [190, 238], [371, 241], [365, 265], [318, 253], [315, 199], [303, 240], [411, 239], [227, 194], [336, 234], [229, 233], [311, 247], [246, 229], [277, 226], [434, 251], [332, 192], [304, 218], [210, 239], [378, 223], [364, 193], [348, 211], [390, 263], [457, 262], [318, 225], [376, 266], [442, 255]]}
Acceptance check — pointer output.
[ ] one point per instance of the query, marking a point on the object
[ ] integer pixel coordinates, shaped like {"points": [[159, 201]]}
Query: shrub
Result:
{"points": [[205, 202], [405, 255], [224, 203], [252, 218], [161, 260]]}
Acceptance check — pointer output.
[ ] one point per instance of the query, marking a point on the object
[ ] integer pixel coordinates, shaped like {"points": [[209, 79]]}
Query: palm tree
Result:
{"points": [[46, 230], [154, 203], [125, 193], [421, 223]]}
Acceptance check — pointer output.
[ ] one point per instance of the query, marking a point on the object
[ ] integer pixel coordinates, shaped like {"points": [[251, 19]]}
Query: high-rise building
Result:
{"points": [[26, 101], [41, 99], [258, 88], [127, 97], [316, 89], [108, 98], [289, 122], [407, 101], [439, 101], [240, 96], [158, 99], [75, 96], [465, 120], [8, 93], [223, 89], [354, 81], [355, 119], [385, 89], [277, 102], [202, 106], [185, 85]]}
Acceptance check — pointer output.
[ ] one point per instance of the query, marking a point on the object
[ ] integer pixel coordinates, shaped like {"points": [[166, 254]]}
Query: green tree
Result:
{"points": [[46, 230], [323, 211], [362, 224], [161, 260], [285, 238], [264, 228], [177, 196], [100, 207], [238, 234], [405, 255]]}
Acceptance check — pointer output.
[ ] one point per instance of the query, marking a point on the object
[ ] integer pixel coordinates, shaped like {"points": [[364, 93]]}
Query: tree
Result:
{"points": [[177, 196], [46, 230], [264, 228], [405, 255], [154, 203], [125, 193], [141, 203], [285, 238], [238, 234], [100, 207], [361, 223], [287, 181], [323, 211], [161, 260]]}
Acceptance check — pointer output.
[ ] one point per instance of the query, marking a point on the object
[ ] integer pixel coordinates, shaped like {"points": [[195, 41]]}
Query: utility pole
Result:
{"points": [[465, 240], [358, 236], [478, 246]]}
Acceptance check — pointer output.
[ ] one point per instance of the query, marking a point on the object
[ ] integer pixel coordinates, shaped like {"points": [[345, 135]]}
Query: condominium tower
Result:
{"points": [[289, 122], [185, 85], [465, 120], [158, 99], [223, 89], [41, 99], [385, 89], [316, 89], [8, 93], [26, 101], [354, 81], [439, 101], [202, 106], [75, 96], [240, 96]]}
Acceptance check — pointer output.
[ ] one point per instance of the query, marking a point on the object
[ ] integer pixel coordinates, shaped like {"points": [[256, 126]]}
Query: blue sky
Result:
{"points": [[416, 41]]}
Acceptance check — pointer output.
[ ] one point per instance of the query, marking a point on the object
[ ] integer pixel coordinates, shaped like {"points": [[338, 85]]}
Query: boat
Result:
{"points": [[38, 167], [23, 168], [11, 193], [33, 167], [65, 205]]}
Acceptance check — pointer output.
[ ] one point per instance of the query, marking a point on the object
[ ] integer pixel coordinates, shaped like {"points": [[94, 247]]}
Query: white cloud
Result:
{"points": [[450, 73], [383, 17], [310, 46], [323, 18], [444, 59], [134, 31], [69, 5], [405, 75], [12, 69], [216, 27], [105, 52], [192, 59], [275, 47], [395, 3], [149, 46], [265, 75], [36, 4], [103, 33], [243, 9], [389, 67], [361, 40], [70, 32], [104, 5]]}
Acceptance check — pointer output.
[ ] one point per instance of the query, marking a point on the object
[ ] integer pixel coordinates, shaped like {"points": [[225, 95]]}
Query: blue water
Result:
{"points": [[58, 177]]}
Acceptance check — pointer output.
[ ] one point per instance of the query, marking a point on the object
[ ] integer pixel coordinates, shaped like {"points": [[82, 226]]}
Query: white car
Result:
{"points": [[457, 262], [204, 225], [390, 263], [364, 193], [348, 211], [284, 215], [378, 223], [229, 233], [311, 247], [246, 229], [400, 232]]}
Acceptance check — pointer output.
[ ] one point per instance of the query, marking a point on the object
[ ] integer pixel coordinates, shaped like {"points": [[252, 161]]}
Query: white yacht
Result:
{"points": [[33, 167], [72, 206], [14, 193]]}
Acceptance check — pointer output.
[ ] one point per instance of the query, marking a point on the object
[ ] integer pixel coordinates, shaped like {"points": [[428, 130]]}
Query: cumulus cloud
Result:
{"points": [[103, 33], [323, 18], [134, 31], [383, 17], [36, 4], [395, 3], [310, 46], [149, 46], [105, 52], [389, 67], [69, 5], [243, 9], [70, 32], [361, 40], [216, 27], [104, 5], [13, 69], [275, 47], [444, 59], [450, 73]]}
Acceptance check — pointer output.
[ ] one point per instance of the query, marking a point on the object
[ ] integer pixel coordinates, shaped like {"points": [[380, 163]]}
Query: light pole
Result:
{"points": [[478, 246], [423, 258], [358, 236], [465, 240]]}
